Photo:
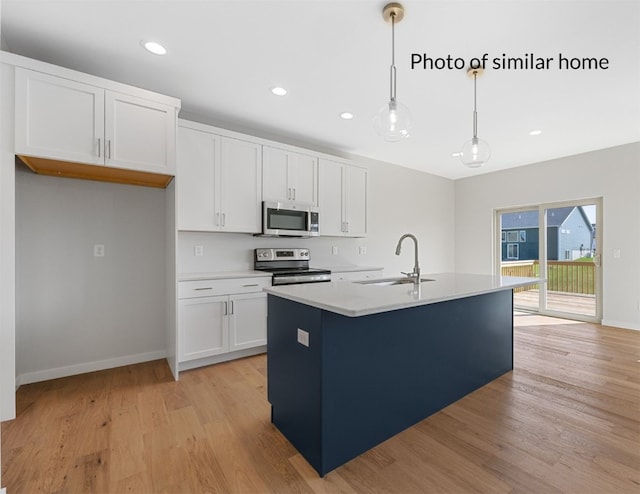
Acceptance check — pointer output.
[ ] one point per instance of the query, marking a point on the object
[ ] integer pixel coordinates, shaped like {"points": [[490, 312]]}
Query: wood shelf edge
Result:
{"points": [[100, 173]]}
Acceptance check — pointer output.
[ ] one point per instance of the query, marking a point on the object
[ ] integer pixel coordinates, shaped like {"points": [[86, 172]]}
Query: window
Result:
{"points": [[512, 236], [523, 236], [504, 236], [513, 250]]}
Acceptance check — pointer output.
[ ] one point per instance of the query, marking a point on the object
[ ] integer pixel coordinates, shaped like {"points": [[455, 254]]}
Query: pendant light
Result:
{"points": [[393, 121], [476, 152]]}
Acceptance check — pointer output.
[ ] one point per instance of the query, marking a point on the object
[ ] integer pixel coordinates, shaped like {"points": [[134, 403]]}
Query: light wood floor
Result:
{"points": [[567, 419]]}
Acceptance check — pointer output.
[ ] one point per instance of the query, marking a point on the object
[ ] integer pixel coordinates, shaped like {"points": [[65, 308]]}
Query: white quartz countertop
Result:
{"points": [[355, 299], [221, 275]]}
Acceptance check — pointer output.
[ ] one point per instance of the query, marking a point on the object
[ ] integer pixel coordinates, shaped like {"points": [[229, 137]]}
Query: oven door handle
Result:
{"points": [[288, 280]]}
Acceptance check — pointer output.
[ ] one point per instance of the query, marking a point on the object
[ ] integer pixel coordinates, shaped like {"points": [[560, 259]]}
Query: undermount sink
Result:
{"points": [[391, 281]]}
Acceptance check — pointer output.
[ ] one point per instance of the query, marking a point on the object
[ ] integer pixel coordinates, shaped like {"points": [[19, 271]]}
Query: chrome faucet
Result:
{"points": [[415, 275]]}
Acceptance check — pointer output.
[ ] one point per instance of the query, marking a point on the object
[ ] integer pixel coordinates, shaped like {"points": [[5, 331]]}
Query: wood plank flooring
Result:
{"points": [[567, 419]]}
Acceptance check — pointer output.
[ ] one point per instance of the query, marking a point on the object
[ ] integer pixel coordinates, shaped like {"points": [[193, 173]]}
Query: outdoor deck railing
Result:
{"points": [[562, 276]]}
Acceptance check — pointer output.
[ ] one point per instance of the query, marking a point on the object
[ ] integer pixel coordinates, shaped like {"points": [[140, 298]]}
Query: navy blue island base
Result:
{"points": [[364, 379]]}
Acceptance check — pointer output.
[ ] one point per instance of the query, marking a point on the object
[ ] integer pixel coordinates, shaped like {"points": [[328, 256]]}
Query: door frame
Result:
{"points": [[542, 249]]}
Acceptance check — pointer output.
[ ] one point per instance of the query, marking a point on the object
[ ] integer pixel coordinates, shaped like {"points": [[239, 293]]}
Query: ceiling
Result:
{"points": [[333, 56]]}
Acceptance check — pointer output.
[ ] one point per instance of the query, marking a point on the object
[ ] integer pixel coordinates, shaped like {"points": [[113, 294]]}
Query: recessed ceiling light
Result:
{"points": [[154, 47], [535, 132], [345, 115], [278, 91], [455, 155]]}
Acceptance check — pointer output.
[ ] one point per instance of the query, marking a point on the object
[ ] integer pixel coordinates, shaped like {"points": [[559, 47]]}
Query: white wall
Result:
{"points": [[400, 201], [7, 250], [76, 312], [613, 174]]}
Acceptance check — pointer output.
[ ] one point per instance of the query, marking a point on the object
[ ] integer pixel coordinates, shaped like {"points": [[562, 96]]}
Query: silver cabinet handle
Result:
{"points": [[224, 219], [225, 308], [289, 194], [294, 193], [217, 219], [253, 284], [99, 146], [108, 148], [231, 312], [203, 288], [346, 226]]}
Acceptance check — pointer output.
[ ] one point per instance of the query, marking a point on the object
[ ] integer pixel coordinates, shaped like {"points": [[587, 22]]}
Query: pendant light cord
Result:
{"points": [[392, 85], [475, 112]]}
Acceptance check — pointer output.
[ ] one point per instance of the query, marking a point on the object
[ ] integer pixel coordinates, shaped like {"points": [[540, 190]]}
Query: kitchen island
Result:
{"points": [[352, 364]]}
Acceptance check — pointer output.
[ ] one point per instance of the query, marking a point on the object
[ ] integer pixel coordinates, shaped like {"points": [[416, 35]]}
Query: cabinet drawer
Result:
{"points": [[209, 288]]}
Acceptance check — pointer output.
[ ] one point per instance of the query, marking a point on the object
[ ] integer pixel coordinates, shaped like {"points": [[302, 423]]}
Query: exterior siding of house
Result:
{"points": [[575, 232], [564, 240]]}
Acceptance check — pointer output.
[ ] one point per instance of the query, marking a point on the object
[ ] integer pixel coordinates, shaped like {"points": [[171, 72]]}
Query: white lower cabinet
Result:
{"points": [[203, 327], [217, 317], [248, 321]]}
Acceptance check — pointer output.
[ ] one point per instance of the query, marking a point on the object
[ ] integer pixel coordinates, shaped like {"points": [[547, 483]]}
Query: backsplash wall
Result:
{"points": [[400, 201]]}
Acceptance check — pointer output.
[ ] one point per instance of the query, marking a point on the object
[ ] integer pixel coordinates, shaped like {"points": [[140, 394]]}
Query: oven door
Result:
{"points": [[288, 220]]}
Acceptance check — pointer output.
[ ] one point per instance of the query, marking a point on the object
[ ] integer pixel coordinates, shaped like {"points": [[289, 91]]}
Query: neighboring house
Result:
{"points": [[570, 235]]}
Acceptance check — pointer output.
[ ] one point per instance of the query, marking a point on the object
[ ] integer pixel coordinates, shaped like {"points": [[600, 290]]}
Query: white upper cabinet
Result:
{"points": [[342, 199], [64, 119], [139, 134], [198, 153], [219, 181], [58, 118], [289, 176]]}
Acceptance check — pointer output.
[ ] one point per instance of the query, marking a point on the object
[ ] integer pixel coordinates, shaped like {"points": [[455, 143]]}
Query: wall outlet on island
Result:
{"points": [[303, 337], [362, 250], [334, 250]]}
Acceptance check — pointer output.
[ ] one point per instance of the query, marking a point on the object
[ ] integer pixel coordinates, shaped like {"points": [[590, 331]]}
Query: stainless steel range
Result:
{"points": [[289, 266]]}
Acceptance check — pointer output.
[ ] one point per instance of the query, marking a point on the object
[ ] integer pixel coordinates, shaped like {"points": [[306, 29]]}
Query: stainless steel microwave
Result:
{"points": [[289, 220]]}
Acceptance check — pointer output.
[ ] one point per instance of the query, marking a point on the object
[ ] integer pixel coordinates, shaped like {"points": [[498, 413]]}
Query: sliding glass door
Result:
{"points": [[559, 243]]}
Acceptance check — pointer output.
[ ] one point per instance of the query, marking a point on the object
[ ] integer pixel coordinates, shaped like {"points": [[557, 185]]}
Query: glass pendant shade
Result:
{"points": [[393, 122], [475, 153]]}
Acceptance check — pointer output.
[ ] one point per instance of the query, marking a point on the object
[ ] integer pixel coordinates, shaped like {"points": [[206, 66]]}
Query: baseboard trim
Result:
{"points": [[225, 357], [621, 324], [72, 370]]}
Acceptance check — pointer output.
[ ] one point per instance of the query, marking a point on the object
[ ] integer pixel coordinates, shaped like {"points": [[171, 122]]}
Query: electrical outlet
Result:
{"points": [[616, 253], [362, 250], [334, 250], [303, 337], [98, 250], [199, 251]]}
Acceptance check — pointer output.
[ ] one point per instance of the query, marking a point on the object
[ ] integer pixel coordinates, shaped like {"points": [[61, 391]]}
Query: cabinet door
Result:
{"points": [[330, 198], [198, 153], [240, 190], [275, 179], [355, 201], [203, 326], [139, 134], [58, 118], [303, 173], [247, 321]]}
